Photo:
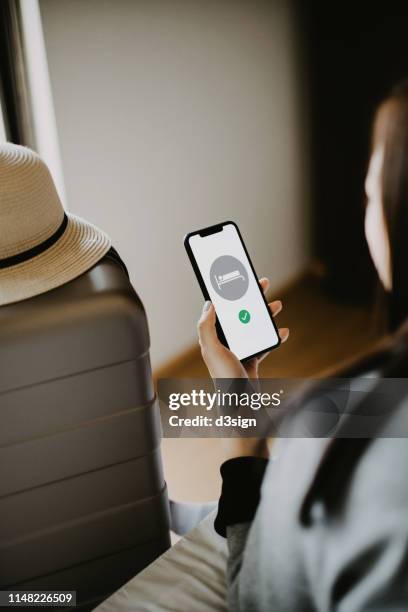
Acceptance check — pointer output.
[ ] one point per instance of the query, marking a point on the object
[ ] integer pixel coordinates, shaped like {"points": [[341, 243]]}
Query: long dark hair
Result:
{"points": [[389, 358], [391, 131]]}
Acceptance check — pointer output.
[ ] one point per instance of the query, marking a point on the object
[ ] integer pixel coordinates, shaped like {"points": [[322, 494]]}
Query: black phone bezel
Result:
{"points": [[207, 231]]}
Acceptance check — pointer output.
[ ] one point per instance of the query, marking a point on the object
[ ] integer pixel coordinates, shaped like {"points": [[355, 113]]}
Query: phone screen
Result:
{"points": [[233, 288]]}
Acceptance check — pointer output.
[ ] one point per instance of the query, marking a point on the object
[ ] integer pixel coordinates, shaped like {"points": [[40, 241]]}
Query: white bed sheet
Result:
{"points": [[189, 577]]}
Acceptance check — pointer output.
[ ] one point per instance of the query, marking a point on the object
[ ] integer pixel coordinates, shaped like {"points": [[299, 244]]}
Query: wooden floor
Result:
{"points": [[323, 333]]}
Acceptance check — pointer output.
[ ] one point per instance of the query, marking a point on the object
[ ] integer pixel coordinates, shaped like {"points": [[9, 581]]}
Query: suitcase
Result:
{"points": [[83, 502]]}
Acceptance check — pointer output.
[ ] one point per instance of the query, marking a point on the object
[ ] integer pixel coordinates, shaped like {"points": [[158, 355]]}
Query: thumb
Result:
{"points": [[207, 334]]}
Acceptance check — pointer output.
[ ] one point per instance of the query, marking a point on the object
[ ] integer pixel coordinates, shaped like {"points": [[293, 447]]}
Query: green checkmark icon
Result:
{"points": [[244, 316]]}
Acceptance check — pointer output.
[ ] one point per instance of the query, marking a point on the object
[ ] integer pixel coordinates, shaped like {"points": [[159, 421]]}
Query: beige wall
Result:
{"points": [[174, 115]]}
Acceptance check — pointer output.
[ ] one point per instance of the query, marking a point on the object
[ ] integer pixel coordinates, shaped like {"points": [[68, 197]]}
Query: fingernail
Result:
{"points": [[207, 305]]}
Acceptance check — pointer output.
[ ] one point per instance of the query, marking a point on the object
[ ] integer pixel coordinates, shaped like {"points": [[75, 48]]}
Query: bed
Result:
{"points": [[190, 576]]}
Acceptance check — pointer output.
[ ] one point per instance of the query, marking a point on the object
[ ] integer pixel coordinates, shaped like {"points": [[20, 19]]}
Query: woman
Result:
{"points": [[325, 526]]}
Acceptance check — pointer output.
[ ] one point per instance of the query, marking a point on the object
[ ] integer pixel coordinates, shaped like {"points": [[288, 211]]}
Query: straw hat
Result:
{"points": [[41, 246]]}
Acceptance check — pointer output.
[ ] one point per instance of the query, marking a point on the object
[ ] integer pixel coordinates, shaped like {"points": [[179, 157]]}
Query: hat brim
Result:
{"points": [[80, 247]]}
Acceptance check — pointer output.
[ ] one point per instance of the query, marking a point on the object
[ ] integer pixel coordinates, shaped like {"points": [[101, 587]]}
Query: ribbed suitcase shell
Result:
{"points": [[83, 503]]}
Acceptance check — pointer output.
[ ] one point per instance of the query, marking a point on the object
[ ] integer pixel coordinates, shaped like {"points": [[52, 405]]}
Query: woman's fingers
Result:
{"points": [[275, 307], [284, 333], [264, 282], [207, 334]]}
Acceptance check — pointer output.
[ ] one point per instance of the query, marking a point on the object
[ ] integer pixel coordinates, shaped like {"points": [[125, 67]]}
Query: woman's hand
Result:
{"points": [[220, 361]]}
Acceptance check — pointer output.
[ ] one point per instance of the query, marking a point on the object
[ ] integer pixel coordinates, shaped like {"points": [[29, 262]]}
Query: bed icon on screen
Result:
{"points": [[229, 277], [222, 279]]}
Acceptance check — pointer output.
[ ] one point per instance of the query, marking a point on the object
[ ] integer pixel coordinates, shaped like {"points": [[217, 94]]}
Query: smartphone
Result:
{"points": [[227, 277]]}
